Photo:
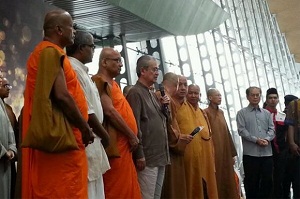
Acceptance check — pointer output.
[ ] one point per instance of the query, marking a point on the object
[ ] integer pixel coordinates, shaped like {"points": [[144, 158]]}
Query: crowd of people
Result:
{"points": [[139, 143]]}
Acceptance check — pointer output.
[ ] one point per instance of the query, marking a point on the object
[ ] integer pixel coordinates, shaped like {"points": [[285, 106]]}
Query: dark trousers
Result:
{"points": [[280, 160], [292, 177], [258, 176]]}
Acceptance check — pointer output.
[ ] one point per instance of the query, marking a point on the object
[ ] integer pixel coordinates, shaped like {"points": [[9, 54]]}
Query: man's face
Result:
{"points": [[182, 88], [87, 50], [150, 73], [113, 63], [272, 100], [193, 95], [4, 89], [254, 96], [215, 98], [68, 32]]}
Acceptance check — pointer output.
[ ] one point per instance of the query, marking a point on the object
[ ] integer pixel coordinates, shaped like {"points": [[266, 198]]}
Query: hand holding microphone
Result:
{"points": [[165, 100]]}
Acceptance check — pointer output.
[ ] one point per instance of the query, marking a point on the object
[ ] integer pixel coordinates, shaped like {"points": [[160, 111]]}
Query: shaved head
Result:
{"points": [[106, 53], [54, 18], [212, 91], [191, 86]]}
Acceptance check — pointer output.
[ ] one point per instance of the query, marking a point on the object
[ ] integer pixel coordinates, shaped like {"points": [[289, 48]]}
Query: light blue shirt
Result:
{"points": [[254, 123]]}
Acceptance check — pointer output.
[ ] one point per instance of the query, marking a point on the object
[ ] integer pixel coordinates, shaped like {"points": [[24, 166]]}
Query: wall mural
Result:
{"points": [[20, 30]]}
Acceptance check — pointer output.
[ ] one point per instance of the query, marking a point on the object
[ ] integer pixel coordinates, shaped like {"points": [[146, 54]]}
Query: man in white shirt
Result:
{"points": [[80, 53]]}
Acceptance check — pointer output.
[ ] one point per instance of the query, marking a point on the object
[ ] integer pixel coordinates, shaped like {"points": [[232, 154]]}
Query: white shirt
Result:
{"points": [[97, 158]]}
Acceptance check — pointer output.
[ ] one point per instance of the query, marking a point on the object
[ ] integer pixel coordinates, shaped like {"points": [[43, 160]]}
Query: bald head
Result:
{"points": [[214, 96], [193, 86], [212, 91], [54, 18], [170, 82], [170, 78], [110, 62], [106, 53], [58, 28]]}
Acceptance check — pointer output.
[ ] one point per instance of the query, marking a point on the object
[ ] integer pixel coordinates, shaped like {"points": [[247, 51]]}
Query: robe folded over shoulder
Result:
{"points": [[53, 175], [121, 180]]}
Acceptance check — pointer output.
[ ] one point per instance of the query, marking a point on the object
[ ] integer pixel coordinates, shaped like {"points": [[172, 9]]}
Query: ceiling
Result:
{"points": [[143, 19], [287, 15]]}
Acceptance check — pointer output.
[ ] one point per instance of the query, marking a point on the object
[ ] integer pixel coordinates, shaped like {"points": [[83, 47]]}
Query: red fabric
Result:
{"points": [[274, 112]]}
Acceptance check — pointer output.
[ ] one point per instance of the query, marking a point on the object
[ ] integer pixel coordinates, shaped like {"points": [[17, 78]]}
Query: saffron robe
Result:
{"points": [[224, 152], [121, 180], [53, 175], [174, 182], [199, 156]]}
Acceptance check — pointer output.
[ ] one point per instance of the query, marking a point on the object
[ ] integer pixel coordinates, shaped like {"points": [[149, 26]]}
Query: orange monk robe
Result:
{"points": [[174, 182], [224, 152], [121, 180], [199, 156], [53, 175]]}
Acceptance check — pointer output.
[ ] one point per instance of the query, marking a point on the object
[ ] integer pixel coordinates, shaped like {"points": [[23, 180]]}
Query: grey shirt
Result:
{"points": [[254, 123], [152, 131]]}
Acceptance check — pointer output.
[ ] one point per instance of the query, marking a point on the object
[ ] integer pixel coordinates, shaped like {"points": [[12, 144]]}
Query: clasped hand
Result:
{"points": [[262, 142]]}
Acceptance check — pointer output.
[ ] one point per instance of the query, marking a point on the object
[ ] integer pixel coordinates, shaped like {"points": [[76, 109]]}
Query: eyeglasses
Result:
{"points": [[155, 69], [118, 60], [90, 45]]}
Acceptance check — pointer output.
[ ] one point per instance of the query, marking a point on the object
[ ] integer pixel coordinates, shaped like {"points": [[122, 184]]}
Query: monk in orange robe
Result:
{"points": [[199, 161], [56, 175], [121, 180]]}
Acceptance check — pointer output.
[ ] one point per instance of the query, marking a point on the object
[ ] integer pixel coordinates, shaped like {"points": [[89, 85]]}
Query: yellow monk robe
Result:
{"points": [[174, 182], [224, 152], [121, 180], [53, 175], [198, 157]]}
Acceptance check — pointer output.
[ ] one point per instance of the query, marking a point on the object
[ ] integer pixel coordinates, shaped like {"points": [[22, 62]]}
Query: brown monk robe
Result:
{"points": [[175, 181], [223, 146]]}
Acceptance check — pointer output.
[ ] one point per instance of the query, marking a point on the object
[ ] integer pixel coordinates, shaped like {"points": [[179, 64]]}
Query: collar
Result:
{"points": [[252, 108], [271, 111], [142, 85], [84, 67]]}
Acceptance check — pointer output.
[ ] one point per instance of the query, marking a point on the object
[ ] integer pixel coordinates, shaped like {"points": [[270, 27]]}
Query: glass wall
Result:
{"points": [[246, 50]]}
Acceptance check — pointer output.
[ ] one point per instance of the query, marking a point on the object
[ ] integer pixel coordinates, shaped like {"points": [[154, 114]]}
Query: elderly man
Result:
{"points": [[224, 149], [4, 93], [152, 154], [56, 175], [80, 53], [256, 127], [8, 149], [121, 180]]}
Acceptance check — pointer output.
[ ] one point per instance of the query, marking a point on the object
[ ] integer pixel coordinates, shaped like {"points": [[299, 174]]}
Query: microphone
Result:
{"points": [[165, 106]]}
